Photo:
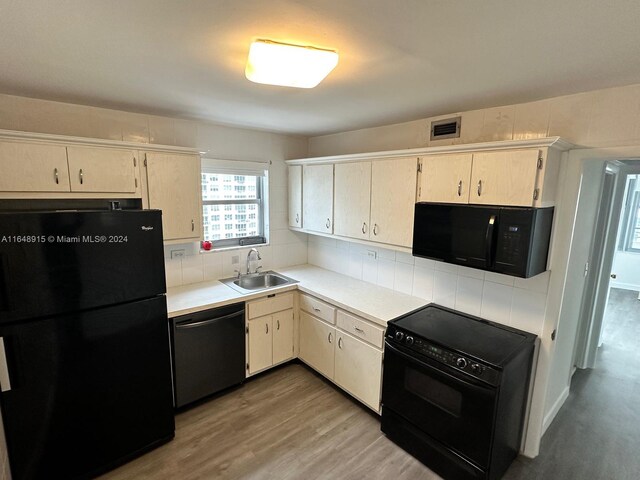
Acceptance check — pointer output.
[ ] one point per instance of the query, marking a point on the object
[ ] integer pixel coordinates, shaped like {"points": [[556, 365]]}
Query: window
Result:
{"points": [[630, 235], [236, 189]]}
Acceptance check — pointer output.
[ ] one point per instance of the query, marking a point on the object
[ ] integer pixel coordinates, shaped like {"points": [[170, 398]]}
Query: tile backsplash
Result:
{"points": [[512, 301]]}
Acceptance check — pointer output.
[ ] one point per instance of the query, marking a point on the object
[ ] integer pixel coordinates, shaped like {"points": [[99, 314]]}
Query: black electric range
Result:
{"points": [[455, 390]]}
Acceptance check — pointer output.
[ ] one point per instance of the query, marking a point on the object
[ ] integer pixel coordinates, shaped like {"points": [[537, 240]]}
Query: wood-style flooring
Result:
{"points": [[290, 423]]}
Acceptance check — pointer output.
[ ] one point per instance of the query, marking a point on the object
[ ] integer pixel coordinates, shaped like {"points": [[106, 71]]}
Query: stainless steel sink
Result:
{"points": [[258, 281]]}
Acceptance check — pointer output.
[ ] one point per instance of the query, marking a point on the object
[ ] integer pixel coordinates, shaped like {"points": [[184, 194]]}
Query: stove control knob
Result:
{"points": [[409, 340], [461, 362], [399, 336], [475, 368]]}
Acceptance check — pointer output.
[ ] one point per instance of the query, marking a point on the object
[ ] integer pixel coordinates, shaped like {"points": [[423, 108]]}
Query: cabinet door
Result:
{"points": [[352, 199], [504, 178], [106, 170], [317, 198], [295, 196], [31, 167], [174, 183], [393, 198], [282, 323], [445, 178], [260, 344], [317, 340], [358, 369]]}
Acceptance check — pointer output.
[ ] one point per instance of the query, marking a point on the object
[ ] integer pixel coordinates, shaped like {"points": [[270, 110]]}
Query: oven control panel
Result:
{"points": [[442, 355]]}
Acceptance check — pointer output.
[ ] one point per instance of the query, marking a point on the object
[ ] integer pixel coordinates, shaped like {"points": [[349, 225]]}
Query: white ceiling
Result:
{"points": [[399, 60]]}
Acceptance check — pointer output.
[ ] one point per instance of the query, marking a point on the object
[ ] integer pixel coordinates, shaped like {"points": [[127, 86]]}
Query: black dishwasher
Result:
{"points": [[208, 352]]}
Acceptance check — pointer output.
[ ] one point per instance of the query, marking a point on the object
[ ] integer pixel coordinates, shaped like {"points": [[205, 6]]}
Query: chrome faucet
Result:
{"points": [[249, 259]]}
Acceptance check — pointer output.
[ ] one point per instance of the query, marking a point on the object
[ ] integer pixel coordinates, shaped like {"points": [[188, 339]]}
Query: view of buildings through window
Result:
{"points": [[232, 206]]}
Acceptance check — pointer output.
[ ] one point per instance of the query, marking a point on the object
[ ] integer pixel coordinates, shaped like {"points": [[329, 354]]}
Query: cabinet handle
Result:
{"points": [[278, 323], [460, 188], [328, 224], [193, 225], [375, 229], [364, 227], [55, 174], [5, 380], [297, 218], [479, 187], [81, 177], [329, 337], [340, 343], [266, 327], [359, 330]]}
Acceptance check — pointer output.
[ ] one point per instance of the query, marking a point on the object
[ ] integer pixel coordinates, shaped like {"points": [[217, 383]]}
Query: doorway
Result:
{"points": [[611, 305]]}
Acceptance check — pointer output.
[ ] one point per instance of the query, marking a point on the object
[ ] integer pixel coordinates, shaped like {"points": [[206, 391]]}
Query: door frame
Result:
{"points": [[602, 252]]}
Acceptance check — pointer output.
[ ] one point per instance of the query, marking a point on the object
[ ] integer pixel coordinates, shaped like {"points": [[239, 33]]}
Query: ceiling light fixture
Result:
{"points": [[288, 65]]}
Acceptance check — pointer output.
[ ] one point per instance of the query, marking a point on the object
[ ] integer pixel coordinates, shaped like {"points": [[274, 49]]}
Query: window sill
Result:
{"points": [[234, 247]]}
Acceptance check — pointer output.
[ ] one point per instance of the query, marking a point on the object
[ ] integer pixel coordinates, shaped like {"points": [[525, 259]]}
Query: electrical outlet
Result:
{"points": [[372, 254], [235, 259], [178, 253]]}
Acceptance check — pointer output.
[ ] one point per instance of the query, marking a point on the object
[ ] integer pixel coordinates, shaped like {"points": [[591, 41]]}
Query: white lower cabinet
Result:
{"points": [[270, 332], [353, 364], [358, 369], [317, 340]]}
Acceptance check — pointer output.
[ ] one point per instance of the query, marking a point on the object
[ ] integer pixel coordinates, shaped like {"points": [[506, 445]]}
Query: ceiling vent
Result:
{"points": [[448, 128]]}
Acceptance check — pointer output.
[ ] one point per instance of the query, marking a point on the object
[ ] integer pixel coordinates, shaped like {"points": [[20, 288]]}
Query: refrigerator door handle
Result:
{"points": [[5, 381]]}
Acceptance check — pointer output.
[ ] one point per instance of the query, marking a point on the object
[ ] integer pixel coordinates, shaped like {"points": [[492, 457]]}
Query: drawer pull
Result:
{"points": [[359, 330], [316, 309]]}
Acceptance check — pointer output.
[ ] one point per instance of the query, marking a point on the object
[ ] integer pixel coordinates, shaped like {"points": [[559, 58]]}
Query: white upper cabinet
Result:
{"points": [[33, 167], [94, 169], [352, 199], [445, 178], [317, 198], [506, 177], [393, 198], [295, 196], [174, 184]]}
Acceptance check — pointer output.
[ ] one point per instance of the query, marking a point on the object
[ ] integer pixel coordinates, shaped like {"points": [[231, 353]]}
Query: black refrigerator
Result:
{"points": [[85, 363]]}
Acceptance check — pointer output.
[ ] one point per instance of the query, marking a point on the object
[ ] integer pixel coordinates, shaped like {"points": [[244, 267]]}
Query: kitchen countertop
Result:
{"points": [[375, 303]]}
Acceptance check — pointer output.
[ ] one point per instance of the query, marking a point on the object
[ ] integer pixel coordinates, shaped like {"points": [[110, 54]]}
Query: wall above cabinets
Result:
{"points": [[369, 198]]}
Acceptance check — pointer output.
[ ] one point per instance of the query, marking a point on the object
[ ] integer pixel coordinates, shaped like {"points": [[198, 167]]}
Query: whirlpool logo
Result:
{"points": [[146, 229]]}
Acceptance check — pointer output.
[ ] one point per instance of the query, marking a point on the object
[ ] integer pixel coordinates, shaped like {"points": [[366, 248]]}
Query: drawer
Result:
{"points": [[318, 308], [361, 329], [267, 306]]}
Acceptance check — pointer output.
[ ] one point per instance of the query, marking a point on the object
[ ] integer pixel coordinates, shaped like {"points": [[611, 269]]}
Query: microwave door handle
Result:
{"points": [[488, 240]]}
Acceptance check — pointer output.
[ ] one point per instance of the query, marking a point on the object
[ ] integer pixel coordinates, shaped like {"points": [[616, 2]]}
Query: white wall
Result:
{"points": [[626, 266], [598, 118]]}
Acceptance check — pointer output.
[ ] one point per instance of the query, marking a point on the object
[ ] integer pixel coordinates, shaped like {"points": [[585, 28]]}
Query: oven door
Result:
{"points": [[448, 405]]}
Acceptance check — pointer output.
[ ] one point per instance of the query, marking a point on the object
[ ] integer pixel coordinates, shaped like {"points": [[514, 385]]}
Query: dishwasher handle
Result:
{"points": [[193, 324]]}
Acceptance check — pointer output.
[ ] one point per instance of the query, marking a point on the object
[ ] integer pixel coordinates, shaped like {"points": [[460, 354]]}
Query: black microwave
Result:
{"points": [[509, 240]]}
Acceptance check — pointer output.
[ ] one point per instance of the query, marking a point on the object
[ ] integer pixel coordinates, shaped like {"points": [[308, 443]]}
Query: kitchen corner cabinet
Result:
{"points": [[174, 186], [347, 351], [295, 196], [317, 198], [33, 167], [99, 170], [270, 332], [375, 200]]}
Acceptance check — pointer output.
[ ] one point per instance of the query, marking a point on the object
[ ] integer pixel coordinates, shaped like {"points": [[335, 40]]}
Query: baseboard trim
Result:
{"points": [[557, 405]]}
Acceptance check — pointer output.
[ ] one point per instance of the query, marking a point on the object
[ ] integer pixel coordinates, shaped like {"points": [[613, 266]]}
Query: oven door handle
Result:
{"points": [[424, 365]]}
